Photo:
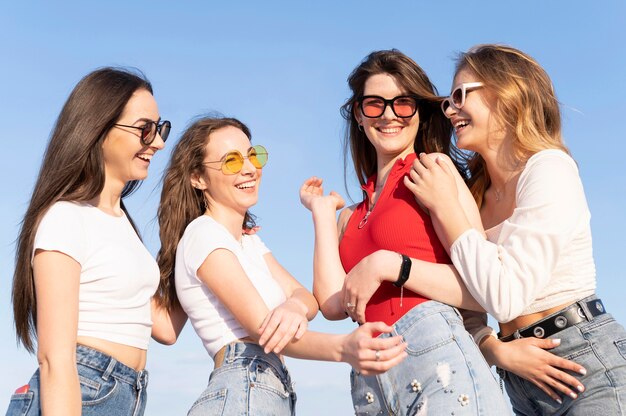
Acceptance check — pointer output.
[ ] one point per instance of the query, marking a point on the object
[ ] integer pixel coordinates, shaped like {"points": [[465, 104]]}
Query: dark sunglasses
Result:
{"points": [[457, 98], [150, 130], [373, 106], [232, 162]]}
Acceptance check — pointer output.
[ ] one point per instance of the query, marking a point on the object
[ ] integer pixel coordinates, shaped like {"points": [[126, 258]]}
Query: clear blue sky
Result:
{"points": [[281, 67]]}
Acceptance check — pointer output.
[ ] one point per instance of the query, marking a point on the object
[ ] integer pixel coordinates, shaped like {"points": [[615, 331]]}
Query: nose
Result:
{"points": [[248, 168], [388, 113], [450, 110], [157, 143]]}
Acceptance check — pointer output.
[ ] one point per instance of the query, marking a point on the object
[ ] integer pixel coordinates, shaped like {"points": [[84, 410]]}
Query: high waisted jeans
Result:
{"points": [[107, 386], [249, 382], [444, 374], [598, 345]]}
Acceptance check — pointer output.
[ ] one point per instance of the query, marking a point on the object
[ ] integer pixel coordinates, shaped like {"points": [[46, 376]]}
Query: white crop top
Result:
{"points": [[541, 256], [118, 275], [212, 321]]}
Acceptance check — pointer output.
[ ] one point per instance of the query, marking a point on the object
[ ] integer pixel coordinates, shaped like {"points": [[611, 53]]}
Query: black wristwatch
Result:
{"points": [[405, 270]]}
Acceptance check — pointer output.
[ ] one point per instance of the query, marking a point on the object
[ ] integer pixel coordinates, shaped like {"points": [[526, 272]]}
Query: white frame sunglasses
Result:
{"points": [[464, 88]]}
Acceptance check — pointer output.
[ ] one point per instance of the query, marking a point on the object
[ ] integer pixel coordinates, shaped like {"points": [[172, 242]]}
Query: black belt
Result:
{"points": [[559, 320]]}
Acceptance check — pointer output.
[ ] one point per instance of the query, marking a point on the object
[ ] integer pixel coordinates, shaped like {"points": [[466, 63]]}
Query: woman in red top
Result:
{"points": [[392, 115]]}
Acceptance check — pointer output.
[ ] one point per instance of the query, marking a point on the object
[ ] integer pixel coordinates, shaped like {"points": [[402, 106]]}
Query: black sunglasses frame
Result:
{"points": [[159, 125], [389, 103]]}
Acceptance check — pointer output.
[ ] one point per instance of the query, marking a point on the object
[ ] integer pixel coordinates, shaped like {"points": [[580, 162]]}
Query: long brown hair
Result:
{"points": [[72, 170], [181, 203], [434, 131], [525, 103]]}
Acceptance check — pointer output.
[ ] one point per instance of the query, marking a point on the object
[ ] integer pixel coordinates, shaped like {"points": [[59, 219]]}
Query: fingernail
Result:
{"points": [[573, 395], [580, 388], [559, 401], [556, 341], [583, 371]]}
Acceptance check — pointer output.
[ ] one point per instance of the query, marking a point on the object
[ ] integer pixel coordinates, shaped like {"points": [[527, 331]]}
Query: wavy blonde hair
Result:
{"points": [[525, 103]]}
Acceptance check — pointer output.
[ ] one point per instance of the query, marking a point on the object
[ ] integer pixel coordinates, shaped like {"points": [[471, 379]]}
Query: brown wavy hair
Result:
{"points": [[72, 170], [434, 131], [181, 203], [525, 103]]}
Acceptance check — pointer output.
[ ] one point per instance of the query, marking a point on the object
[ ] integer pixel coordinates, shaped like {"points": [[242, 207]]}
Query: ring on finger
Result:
{"points": [[350, 306], [377, 355]]}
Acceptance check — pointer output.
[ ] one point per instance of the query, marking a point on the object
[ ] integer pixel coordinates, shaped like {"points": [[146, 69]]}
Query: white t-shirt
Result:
{"points": [[213, 323], [541, 256], [118, 275]]}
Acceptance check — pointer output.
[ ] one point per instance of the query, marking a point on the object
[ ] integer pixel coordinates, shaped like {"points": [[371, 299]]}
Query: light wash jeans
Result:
{"points": [[444, 374], [599, 346], [249, 382], [107, 386]]}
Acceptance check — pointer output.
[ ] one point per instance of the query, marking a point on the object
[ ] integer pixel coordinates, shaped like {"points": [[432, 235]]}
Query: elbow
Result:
{"points": [[332, 313]]}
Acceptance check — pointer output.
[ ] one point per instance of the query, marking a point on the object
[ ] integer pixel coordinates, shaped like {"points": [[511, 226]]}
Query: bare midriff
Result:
{"points": [[132, 357], [525, 320]]}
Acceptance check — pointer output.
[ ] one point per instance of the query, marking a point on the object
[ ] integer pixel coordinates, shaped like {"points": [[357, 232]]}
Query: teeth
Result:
{"points": [[145, 157], [246, 185], [460, 124], [390, 130]]}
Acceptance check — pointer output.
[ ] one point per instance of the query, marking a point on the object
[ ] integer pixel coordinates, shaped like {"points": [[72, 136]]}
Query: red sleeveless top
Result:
{"points": [[396, 223]]}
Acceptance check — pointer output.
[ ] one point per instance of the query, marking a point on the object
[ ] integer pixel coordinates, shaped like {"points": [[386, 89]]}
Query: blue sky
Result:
{"points": [[281, 67]]}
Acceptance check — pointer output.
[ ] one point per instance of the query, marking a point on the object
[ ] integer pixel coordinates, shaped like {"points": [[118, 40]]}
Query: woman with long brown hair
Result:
{"points": [[246, 308], [393, 115], [83, 282]]}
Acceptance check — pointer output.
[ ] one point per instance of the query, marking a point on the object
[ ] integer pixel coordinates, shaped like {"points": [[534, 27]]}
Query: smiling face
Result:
{"points": [[237, 192], [391, 136], [125, 158], [476, 126]]}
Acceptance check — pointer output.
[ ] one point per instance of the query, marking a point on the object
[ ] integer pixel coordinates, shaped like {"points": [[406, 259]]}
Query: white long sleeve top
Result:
{"points": [[541, 256]]}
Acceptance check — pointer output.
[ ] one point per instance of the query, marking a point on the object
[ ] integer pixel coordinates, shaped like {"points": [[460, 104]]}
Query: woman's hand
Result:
{"points": [[312, 196], [432, 181], [371, 356], [364, 279], [528, 358], [285, 322]]}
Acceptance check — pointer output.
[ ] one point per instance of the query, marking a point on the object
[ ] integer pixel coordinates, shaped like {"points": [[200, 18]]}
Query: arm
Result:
{"points": [[290, 319], [249, 309], [436, 281], [57, 279], [507, 275], [328, 273], [166, 324]]}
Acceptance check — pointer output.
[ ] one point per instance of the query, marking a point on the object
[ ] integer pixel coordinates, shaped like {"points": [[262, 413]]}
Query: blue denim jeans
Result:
{"points": [[249, 382], [107, 386], [598, 345], [444, 374]]}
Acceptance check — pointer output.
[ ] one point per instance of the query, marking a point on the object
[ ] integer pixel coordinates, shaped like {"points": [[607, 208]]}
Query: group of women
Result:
{"points": [[471, 205]]}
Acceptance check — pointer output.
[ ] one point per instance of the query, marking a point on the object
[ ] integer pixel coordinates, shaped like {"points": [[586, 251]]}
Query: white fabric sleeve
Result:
{"points": [[61, 229], [204, 239], [505, 276], [259, 245]]}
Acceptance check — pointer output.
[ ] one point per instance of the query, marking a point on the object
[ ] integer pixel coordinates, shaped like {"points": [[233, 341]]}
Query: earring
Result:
{"points": [[361, 127], [206, 201]]}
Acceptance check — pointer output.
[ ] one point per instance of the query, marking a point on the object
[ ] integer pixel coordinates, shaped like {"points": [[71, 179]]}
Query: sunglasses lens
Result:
{"points": [[233, 162], [372, 107], [258, 156], [164, 129], [405, 106], [457, 97]]}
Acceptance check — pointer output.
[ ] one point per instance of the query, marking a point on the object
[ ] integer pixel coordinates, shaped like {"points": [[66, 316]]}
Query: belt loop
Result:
{"points": [[517, 335], [230, 352], [109, 369], [142, 380], [582, 306]]}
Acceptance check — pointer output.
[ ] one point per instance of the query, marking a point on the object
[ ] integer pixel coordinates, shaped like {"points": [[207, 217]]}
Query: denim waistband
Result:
{"points": [[420, 311], [110, 367], [236, 350]]}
